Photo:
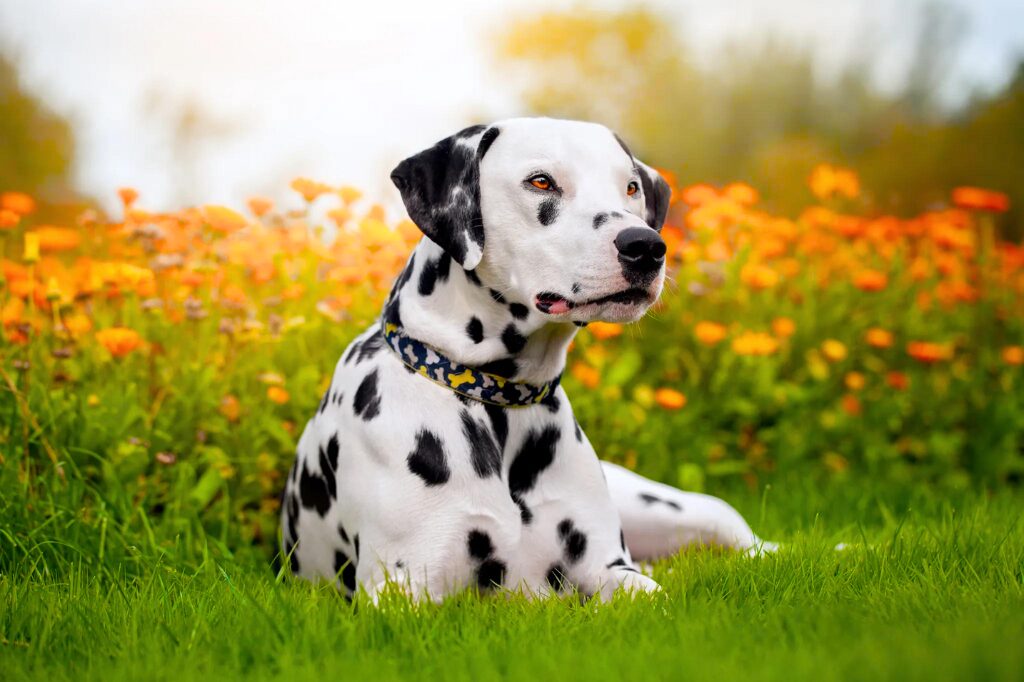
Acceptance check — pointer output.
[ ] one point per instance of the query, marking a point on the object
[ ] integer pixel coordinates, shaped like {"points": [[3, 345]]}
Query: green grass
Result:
{"points": [[932, 590]]}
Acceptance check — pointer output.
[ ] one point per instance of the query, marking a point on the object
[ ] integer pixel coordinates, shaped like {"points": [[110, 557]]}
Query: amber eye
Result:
{"points": [[632, 188], [542, 182]]}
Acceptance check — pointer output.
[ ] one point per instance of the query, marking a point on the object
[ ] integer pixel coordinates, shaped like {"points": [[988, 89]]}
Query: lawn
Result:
{"points": [[930, 589]]}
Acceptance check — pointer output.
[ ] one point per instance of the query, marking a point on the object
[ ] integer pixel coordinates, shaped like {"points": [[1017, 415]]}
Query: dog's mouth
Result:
{"points": [[555, 304]]}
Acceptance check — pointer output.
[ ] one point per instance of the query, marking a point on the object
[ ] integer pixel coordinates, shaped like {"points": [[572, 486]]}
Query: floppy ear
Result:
{"points": [[440, 188], [656, 195]]}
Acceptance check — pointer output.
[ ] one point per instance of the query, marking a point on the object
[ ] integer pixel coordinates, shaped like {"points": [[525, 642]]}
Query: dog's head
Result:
{"points": [[556, 214]]}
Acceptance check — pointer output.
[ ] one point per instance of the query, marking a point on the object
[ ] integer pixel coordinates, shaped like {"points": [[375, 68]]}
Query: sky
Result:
{"points": [[342, 91]]}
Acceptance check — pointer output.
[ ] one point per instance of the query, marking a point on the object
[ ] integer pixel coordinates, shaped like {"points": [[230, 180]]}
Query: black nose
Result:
{"points": [[640, 249]]}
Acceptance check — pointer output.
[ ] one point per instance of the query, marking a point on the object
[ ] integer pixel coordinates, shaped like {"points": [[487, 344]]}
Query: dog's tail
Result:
{"points": [[659, 520]]}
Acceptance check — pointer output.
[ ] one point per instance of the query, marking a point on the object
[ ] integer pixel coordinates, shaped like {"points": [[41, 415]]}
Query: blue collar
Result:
{"points": [[466, 381]]}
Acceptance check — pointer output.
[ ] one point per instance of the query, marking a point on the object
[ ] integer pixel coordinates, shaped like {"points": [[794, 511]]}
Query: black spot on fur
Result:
{"points": [[551, 402], [444, 266], [473, 277], [518, 310], [347, 568], [328, 466], [496, 295], [653, 499], [579, 431], [392, 314], [577, 287], [483, 450], [490, 574], [323, 401], [534, 456], [479, 544], [505, 368], [403, 278], [293, 517], [313, 492], [355, 543], [499, 423], [475, 329], [428, 459], [580, 324], [547, 212], [600, 219], [486, 141], [625, 149], [367, 400], [575, 542], [622, 564], [525, 515], [370, 347], [428, 278], [622, 539], [556, 577], [513, 340], [343, 535]]}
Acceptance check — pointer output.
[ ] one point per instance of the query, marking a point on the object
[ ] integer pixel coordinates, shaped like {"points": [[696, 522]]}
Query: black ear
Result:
{"points": [[440, 188], [656, 195], [656, 191]]}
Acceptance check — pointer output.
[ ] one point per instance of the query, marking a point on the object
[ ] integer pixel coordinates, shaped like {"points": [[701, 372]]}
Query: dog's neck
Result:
{"points": [[458, 314]]}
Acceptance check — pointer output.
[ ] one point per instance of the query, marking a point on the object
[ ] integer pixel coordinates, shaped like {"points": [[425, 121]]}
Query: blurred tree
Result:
{"points": [[36, 145]]}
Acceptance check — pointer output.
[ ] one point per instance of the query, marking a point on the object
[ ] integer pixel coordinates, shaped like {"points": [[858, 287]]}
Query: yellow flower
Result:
{"points": [[834, 351], [755, 343], [878, 338], [669, 398], [783, 327], [31, 254], [758, 276], [854, 381], [93, 400]]}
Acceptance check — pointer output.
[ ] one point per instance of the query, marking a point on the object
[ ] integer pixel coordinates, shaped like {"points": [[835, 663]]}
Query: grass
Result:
{"points": [[932, 589]]}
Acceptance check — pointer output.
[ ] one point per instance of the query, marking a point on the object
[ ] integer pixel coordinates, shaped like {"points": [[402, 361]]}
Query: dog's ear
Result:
{"points": [[440, 188], [656, 195], [656, 191]]}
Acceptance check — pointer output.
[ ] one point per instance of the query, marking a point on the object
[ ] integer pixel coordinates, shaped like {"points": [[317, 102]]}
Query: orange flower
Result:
{"points": [[119, 341], [605, 330], [700, 194], [870, 280], [851, 405], [757, 276], [309, 189], [834, 351], [17, 202], [978, 199], [1013, 355], [783, 327], [827, 181], [12, 312], [928, 352], [260, 206], [669, 398], [8, 219], [854, 381], [755, 343], [223, 219], [54, 239], [709, 333], [741, 193], [878, 338], [897, 380], [586, 375], [278, 395], [128, 196], [230, 407], [349, 195]]}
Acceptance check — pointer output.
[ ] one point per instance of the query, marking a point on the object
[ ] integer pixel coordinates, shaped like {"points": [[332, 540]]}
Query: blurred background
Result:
{"points": [[195, 101]]}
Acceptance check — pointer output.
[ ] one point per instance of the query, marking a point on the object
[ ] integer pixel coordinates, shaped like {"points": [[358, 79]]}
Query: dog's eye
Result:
{"points": [[542, 182], [632, 188]]}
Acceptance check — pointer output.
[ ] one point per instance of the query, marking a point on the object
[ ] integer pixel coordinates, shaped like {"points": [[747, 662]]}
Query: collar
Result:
{"points": [[466, 381]]}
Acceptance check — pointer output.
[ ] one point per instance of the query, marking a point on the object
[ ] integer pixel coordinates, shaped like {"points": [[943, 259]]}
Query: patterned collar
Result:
{"points": [[466, 381]]}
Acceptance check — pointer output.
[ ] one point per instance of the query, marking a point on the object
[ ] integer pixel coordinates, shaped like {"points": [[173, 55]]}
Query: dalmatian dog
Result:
{"points": [[445, 453]]}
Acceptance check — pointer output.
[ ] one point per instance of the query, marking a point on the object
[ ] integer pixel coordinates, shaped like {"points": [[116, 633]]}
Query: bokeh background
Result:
{"points": [[196, 219]]}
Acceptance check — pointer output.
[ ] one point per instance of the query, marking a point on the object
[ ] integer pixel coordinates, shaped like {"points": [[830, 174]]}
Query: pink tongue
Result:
{"points": [[558, 307]]}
